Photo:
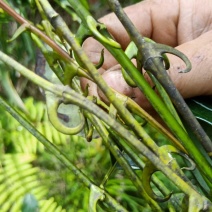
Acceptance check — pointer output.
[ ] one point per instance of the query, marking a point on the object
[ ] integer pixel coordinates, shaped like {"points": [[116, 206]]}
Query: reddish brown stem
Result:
{"points": [[36, 31]]}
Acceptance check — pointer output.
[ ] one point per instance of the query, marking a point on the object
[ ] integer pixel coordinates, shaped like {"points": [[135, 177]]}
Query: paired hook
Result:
{"points": [[132, 52], [160, 51], [150, 169], [156, 50], [93, 28], [53, 102], [171, 149]]}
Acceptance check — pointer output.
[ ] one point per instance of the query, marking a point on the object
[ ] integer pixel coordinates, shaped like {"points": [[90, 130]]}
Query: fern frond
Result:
{"points": [[17, 178]]}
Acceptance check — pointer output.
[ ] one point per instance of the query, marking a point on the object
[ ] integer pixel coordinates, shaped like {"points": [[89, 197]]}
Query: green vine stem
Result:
{"points": [[62, 29], [149, 53], [119, 107], [110, 144], [133, 107], [70, 38], [89, 106], [69, 94], [112, 203], [28, 26]]}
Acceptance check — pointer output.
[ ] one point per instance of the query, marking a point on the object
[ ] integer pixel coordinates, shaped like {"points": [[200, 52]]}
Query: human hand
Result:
{"points": [[186, 25]]}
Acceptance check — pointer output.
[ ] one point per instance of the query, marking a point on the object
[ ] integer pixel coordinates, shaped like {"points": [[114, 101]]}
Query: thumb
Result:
{"points": [[113, 77], [115, 80]]}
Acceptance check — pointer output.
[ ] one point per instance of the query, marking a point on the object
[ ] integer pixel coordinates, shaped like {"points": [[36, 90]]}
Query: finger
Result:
{"points": [[194, 19], [113, 77], [153, 19], [197, 82], [115, 80]]}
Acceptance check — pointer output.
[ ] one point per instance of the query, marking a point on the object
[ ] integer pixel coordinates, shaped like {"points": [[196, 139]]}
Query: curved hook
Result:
{"points": [[82, 34], [96, 194], [53, 103], [95, 26], [101, 60], [148, 171], [165, 58], [193, 165], [167, 49], [132, 51], [166, 61], [172, 149]]}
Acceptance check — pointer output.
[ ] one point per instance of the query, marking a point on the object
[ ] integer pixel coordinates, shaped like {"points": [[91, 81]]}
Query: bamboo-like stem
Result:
{"points": [[86, 104]]}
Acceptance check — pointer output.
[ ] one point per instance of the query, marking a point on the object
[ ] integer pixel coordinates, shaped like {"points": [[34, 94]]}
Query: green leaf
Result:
{"points": [[202, 109], [18, 32]]}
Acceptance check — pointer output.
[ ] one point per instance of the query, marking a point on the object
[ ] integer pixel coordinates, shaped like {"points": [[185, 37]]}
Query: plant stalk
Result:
{"points": [[86, 104]]}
